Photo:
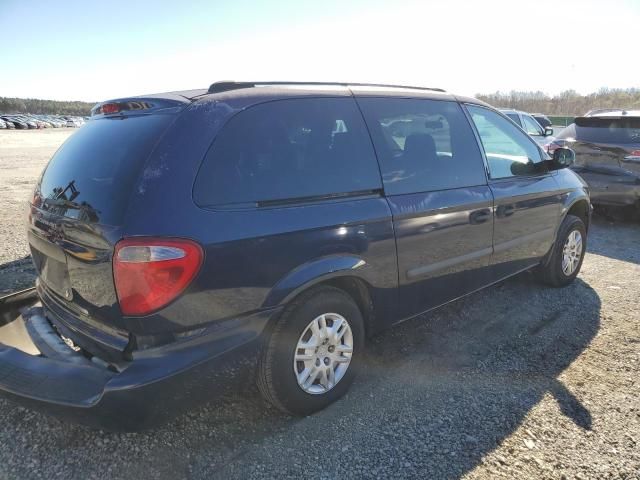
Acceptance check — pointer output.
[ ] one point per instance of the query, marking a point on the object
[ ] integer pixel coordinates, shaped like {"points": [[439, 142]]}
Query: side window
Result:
{"points": [[531, 126], [289, 149], [509, 152], [515, 117], [423, 145]]}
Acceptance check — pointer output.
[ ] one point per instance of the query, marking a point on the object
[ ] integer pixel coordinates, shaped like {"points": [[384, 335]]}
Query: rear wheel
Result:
{"points": [[568, 253], [312, 354]]}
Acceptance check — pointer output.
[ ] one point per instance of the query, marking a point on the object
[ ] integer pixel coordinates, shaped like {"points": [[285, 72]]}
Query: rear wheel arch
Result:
{"points": [[344, 272], [360, 292], [355, 287]]}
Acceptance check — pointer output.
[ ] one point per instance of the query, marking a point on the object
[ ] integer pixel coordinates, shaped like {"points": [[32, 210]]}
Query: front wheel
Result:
{"points": [[310, 358], [564, 264]]}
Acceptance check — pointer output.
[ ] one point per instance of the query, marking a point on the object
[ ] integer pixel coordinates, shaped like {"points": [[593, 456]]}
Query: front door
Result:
{"points": [[528, 200]]}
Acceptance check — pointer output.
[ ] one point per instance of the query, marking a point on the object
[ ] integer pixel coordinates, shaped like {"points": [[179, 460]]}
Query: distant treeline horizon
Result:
{"points": [[567, 103], [52, 107]]}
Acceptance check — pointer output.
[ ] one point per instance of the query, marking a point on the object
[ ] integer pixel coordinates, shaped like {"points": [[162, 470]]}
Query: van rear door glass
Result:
{"points": [[423, 145]]}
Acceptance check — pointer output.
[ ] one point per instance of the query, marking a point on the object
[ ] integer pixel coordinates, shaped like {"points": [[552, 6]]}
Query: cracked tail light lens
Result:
{"points": [[149, 273]]}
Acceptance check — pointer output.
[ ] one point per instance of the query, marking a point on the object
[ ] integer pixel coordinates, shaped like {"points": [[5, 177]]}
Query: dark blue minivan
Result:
{"points": [[175, 233]]}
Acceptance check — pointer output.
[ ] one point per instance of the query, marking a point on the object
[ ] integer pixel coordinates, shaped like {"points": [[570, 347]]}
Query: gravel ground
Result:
{"points": [[518, 381], [23, 155]]}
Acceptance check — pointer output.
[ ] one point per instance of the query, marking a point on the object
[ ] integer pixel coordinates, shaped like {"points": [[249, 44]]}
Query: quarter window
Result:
{"points": [[509, 152], [289, 149], [423, 145]]}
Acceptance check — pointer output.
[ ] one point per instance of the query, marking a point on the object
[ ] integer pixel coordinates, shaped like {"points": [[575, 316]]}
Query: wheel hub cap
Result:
{"points": [[571, 252], [323, 353]]}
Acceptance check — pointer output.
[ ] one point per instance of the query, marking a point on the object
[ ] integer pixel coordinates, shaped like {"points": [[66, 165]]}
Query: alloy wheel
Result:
{"points": [[323, 353], [571, 252]]}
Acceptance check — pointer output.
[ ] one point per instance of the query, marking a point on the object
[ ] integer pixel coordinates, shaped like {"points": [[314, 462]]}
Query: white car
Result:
{"points": [[74, 122]]}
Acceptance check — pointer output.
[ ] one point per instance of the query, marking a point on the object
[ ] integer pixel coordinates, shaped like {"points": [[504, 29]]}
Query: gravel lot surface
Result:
{"points": [[517, 381], [23, 155]]}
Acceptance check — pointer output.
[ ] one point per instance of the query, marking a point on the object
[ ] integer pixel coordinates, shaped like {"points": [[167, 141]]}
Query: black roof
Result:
{"points": [[247, 93]]}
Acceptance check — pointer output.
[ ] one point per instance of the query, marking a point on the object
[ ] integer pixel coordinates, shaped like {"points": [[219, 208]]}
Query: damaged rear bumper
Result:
{"points": [[39, 371]]}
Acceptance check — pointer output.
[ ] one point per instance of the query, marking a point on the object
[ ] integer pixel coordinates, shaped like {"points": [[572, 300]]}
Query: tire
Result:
{"points": [[277, 375], [552, 272]]}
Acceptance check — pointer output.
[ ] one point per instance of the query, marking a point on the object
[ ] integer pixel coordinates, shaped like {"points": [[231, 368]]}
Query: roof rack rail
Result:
{"points": [[603, 110], [227, 85]]}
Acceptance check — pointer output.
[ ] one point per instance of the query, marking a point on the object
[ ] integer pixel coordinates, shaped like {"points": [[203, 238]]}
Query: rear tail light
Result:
{"points": [[633, 155], [550, 147], [149, 273], [555, 144]]}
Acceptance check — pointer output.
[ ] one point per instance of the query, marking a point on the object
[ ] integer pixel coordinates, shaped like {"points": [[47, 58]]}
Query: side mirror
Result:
{"points": [[519, 168], [562, 158], [548, 131]]}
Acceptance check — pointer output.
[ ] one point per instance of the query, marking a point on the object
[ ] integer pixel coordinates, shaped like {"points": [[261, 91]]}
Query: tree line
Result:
{"points": [[569, 102], [35, 105]]}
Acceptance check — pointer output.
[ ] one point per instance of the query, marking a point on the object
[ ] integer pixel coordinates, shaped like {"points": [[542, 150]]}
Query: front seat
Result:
{"points": [[420, 153]]}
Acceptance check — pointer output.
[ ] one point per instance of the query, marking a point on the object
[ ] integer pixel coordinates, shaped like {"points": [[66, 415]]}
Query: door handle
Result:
{"points": [[479, 216], [505, 210]]}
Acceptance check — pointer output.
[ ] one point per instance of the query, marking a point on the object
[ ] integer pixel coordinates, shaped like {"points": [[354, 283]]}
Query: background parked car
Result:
{"points": [[542, 119], [33, 121], [56, 122], [27, 121], [17, 123], [72, 122], [530, 125], [607, 146]]}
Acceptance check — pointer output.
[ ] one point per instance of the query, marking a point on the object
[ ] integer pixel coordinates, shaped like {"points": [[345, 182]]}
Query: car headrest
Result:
{"points": [[420, 145]]}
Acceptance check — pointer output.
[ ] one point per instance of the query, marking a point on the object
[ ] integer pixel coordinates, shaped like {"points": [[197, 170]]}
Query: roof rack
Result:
{"points": [[227, 85], [597, 111]]}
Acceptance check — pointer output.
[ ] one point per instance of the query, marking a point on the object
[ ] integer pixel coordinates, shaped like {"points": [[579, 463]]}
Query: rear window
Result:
{"points": [[514, 117], [93, 172], [289, 150], [608, 130], [544, 121]]}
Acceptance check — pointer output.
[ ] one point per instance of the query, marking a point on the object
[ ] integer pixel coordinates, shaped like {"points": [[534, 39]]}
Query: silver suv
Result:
{"points": [[524, 120]]}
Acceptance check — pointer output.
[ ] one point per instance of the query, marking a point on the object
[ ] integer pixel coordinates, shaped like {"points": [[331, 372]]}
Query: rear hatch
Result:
{"points": [[77, 213], [608, 143]]}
